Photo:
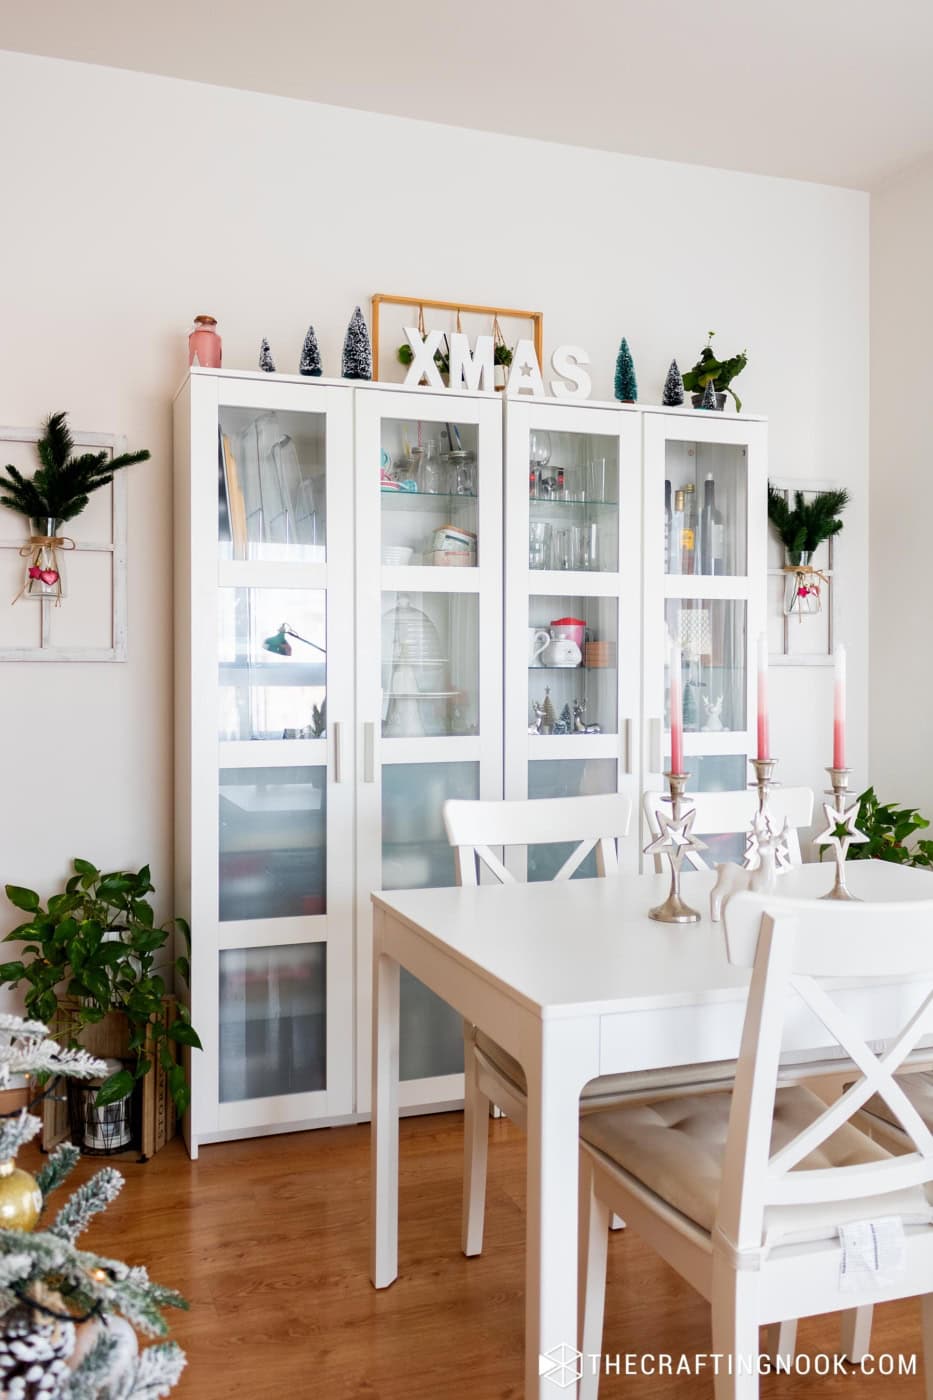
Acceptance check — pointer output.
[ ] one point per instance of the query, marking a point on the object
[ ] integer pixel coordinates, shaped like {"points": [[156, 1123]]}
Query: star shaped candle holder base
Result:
{"points": [[840, 831], [675, 838]]}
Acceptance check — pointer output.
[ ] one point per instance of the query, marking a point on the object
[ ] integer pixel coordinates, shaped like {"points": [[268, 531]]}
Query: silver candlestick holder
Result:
{"points": [[675, 839], [764, 781], [841, 831]]}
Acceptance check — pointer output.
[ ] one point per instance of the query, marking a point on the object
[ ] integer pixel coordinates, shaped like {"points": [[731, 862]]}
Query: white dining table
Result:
{"points": [[575, 981]]}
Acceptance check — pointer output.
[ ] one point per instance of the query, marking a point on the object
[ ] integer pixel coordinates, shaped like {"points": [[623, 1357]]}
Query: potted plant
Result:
{"points": [[91, 951], [888, 828], [802, 528], [718, 373], [501, 359], [57, 492], [405, 355]]}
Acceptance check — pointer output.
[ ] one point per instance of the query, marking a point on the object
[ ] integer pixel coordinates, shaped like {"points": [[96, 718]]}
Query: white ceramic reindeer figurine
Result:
{"points": [[766, 857]]}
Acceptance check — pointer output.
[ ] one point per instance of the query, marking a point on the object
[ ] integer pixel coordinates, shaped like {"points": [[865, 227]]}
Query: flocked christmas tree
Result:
{"points": [[67, 1315], [310, 362], [547, 712], [709, 397], [565, 724], [626, 385], [266, 361], [673, 395], [357, 351]]}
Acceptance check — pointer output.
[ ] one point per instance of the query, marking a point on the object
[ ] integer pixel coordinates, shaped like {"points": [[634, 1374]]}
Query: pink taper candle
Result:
{"points": [[764, 737], [839, 708], [677, 710]]}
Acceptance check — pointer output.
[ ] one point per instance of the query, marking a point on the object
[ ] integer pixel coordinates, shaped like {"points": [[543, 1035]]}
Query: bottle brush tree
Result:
{"points": [[357, 351], [266, 361], [673, 395], [310, 362], [626, 385]]}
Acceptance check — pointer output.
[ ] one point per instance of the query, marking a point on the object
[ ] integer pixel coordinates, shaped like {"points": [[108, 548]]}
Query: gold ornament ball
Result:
{"points": [[20, 1198]]}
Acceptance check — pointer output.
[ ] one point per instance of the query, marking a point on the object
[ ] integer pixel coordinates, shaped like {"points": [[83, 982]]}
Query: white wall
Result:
{"points": [[902, 489], [134, 202]]}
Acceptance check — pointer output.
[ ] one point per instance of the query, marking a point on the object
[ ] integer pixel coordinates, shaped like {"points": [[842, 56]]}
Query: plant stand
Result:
{"points": [[155, 1121]]}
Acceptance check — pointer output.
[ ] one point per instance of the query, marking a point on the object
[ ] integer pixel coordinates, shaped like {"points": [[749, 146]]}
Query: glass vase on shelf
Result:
{"points": [[204, 344]]}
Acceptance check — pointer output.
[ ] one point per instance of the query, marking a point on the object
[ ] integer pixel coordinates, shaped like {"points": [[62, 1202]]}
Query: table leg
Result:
{"points": [[568, 1058], [384, 1132]]}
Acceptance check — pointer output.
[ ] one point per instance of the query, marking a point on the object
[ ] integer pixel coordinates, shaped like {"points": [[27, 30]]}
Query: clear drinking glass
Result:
{"points": [[586, 545], [539, 448], [432, 472], [596, 479], [539, 544], [563, 549]]}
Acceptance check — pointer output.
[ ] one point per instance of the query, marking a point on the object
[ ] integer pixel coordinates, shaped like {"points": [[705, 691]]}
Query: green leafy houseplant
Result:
{"points": [[60, 488], [98, 937], [501, 354], [888, 828], [720, 373], [406, 355], [803, 527]]}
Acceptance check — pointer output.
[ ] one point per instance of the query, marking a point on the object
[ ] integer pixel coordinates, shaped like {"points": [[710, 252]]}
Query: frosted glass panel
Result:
{"points": [[706, 493], [416, 855], [569, 777], [430, 485], [712, 634], [573, 488], [272, 681], [572, 663], [272, 842], [430, 664], [272, 501], [272, 1021]]}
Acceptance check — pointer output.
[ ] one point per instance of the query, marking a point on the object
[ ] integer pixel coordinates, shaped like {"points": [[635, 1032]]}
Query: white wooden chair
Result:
{"points": [[744, 1193], [491, 1075], [720, 813]]}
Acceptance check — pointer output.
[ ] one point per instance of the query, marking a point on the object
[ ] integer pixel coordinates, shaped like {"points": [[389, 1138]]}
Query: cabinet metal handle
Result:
{"points": [[627, 746], [654, 744], [369, 753], [338, 752]]}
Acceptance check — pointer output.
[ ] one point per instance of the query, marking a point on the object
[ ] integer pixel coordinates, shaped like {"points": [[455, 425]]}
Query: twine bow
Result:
{"points": [[801, 589], [33, 548]]}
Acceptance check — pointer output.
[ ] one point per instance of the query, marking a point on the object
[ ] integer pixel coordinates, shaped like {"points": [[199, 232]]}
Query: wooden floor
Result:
{"points": [[268, 1241]]}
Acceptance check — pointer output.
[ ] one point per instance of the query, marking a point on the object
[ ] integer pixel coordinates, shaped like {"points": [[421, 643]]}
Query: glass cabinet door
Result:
{"points": [[429, 630], [705, 585], [271, 686], [573, 606]]}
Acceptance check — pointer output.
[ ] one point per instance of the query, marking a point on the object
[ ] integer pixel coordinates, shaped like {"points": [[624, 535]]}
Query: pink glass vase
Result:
{"points": [[204, 343]]}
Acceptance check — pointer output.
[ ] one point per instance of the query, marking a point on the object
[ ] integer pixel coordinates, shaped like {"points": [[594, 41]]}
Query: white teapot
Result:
{"points": [[561, 651]]}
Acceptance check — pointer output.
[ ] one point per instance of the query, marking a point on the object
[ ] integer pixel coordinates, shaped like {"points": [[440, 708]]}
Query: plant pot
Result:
{"points": [[802, 596], [697, 400], [102, 1131], [500, 376]]}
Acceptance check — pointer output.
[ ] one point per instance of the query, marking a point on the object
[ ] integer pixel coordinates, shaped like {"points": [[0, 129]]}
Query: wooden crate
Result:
{"points": [[109, 1039]]}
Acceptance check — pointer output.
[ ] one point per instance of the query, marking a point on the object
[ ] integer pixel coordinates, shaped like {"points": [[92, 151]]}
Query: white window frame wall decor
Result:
{"points": [[45, 648], [826, 563]]}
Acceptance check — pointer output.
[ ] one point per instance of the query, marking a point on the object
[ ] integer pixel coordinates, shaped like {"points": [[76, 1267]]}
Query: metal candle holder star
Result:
{"points": [[839, 816], [675, 838]]}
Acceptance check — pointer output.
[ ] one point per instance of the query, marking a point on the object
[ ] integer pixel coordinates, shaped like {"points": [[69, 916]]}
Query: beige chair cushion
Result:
{"points": [[675, 1146], [611, 1085], [918, 1089]]}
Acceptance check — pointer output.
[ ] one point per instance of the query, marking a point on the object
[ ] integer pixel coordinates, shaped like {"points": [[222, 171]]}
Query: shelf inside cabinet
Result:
{"points": [[587, 503], [425, 500]]}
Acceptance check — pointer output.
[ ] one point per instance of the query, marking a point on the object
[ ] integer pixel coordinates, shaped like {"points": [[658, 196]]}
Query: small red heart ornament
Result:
{"points": [[48, 576]]}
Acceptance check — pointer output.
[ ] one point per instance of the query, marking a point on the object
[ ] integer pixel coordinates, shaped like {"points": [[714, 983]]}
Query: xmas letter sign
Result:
{"points": [[475, 370]]}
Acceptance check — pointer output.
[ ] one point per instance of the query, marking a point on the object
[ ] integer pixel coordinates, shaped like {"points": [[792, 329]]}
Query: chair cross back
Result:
{"points": [[720, 813], [790, 944], [474, 829]]}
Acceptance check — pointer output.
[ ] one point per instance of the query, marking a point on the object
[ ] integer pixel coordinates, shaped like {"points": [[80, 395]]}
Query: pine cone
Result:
{"points": [[33, 1355]]}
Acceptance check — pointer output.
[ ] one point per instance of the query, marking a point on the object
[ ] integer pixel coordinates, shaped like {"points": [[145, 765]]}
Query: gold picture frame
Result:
{"points": [[459, 309]]}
